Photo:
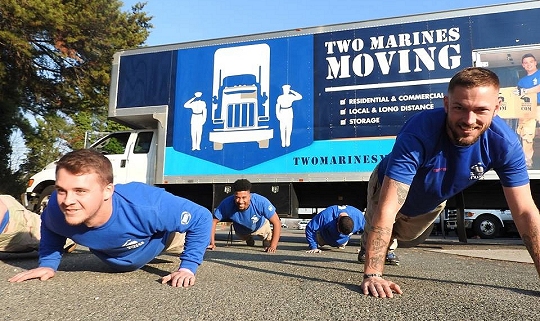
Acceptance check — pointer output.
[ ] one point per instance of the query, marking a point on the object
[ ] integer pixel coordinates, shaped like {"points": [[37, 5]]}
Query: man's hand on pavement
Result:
{"points": [[379, 287]]}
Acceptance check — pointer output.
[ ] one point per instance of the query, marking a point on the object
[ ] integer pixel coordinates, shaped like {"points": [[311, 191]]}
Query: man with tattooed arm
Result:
{"points": [[437, 154]]}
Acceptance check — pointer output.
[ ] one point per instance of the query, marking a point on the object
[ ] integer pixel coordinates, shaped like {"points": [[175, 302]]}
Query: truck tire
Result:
{"points": [[487, 226], [418, 240], [44, 198]]}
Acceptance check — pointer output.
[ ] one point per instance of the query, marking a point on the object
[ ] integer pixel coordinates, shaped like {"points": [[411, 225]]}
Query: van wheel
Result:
{"points": [[44, 198], [487, 226]]}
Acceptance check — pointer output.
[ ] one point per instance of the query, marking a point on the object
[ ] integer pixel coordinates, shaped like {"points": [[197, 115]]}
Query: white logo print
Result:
{"points": [[186, 217], [130, 244]]}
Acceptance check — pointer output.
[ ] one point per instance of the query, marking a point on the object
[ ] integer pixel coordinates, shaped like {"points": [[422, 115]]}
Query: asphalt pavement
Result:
{"points": [[441, 279]]}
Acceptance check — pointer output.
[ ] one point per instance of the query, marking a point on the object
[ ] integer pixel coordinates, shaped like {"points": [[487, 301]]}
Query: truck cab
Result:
{"points": [[132, 154]]}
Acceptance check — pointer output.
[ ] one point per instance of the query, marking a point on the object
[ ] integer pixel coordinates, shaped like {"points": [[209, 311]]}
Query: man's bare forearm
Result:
{"points": [[378, 247], [531, 239], [380, 233]]}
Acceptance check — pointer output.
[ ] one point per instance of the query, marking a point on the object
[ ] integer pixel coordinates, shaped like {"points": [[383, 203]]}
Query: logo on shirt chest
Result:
{"points": [[477, 171]]}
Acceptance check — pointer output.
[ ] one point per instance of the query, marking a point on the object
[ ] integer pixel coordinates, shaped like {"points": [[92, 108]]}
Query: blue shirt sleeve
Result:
{"points": [[195, 221], [315, 224], [51, 244]]}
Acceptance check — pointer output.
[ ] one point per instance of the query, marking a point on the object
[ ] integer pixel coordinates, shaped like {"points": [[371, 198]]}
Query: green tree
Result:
{"points": [[55, 64]]}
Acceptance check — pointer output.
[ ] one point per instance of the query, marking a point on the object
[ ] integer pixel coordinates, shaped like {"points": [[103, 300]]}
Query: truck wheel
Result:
{"points": [[487, 226], [418, 240], [44, 198]]}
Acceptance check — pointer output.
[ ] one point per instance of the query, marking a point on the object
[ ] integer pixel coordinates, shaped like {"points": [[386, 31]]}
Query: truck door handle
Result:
{"points": [[123, 163]]}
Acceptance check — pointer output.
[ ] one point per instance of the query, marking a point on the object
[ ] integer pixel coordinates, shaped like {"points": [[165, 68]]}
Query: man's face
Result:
{"points": [[469, 113], [529, 64], [81, 196], [242, 199]]}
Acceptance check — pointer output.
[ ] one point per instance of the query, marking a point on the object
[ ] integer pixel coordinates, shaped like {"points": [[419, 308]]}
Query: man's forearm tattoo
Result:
{"points": [[402, 191], [378, 247], [532, 242]]}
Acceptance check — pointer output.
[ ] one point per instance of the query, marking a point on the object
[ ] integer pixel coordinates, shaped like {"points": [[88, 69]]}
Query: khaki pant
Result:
{"points": [[265, 233], [22, 233], [175, 242], [405, 228]]}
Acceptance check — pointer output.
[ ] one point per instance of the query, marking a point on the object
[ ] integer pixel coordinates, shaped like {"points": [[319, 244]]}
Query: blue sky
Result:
{"points": [[181, 20]]}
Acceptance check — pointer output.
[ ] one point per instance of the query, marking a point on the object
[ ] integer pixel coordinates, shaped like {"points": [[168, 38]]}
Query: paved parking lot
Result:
{"points": [[440, 280]]}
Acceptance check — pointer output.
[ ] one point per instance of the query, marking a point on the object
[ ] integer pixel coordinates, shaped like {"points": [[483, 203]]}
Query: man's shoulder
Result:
{"points": [[427, 122], [261, 201], [501, 131], [259, 197]]}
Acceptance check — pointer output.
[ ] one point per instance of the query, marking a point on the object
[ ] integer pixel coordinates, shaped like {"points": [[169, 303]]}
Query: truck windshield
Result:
{"points": [[112, 144]]}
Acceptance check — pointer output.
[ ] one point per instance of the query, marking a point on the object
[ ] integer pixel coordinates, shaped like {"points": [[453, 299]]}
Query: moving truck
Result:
{"points": [[304, 114]]}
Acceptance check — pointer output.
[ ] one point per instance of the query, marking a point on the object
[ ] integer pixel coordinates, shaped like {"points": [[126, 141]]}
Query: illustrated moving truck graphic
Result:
{"points": [[240, 106]]}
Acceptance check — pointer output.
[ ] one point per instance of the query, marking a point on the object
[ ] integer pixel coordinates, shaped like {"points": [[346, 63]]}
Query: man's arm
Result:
{"points": [[212, 244], [311, 233], [527, 219], [392, 197], [274, 220]]}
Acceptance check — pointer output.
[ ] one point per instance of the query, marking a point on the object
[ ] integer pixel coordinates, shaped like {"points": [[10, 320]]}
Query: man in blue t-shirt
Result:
{"points": [[527, 85], [437, 154], [334, 226], [251, 215], [124, 225]]}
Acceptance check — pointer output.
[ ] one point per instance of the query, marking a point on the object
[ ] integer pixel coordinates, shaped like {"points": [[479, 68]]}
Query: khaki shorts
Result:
{"points": [[405, 228], [265, 233], [22, 233]]}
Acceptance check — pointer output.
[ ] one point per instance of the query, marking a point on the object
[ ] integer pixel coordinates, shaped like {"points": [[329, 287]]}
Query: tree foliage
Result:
{"points": [[55, 64]]}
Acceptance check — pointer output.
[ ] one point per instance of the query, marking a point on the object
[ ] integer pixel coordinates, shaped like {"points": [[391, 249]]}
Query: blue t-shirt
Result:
{"points": [[142, 219], [247, 221], [326, 224], [530, 81], [424, 158]]}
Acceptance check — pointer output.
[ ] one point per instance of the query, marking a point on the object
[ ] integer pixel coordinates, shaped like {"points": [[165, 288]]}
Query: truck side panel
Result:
{"points": [[321, 105]]}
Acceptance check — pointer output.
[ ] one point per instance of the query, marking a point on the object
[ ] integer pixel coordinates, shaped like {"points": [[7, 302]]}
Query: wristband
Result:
{"points": [[372, 275]]}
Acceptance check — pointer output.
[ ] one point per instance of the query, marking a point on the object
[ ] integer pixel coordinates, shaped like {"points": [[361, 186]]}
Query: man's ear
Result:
{"points": [[498, 106], [107, 193]]}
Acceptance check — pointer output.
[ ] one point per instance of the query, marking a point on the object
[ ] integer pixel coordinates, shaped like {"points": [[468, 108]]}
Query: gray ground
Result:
{"points": [[441, 280]]}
